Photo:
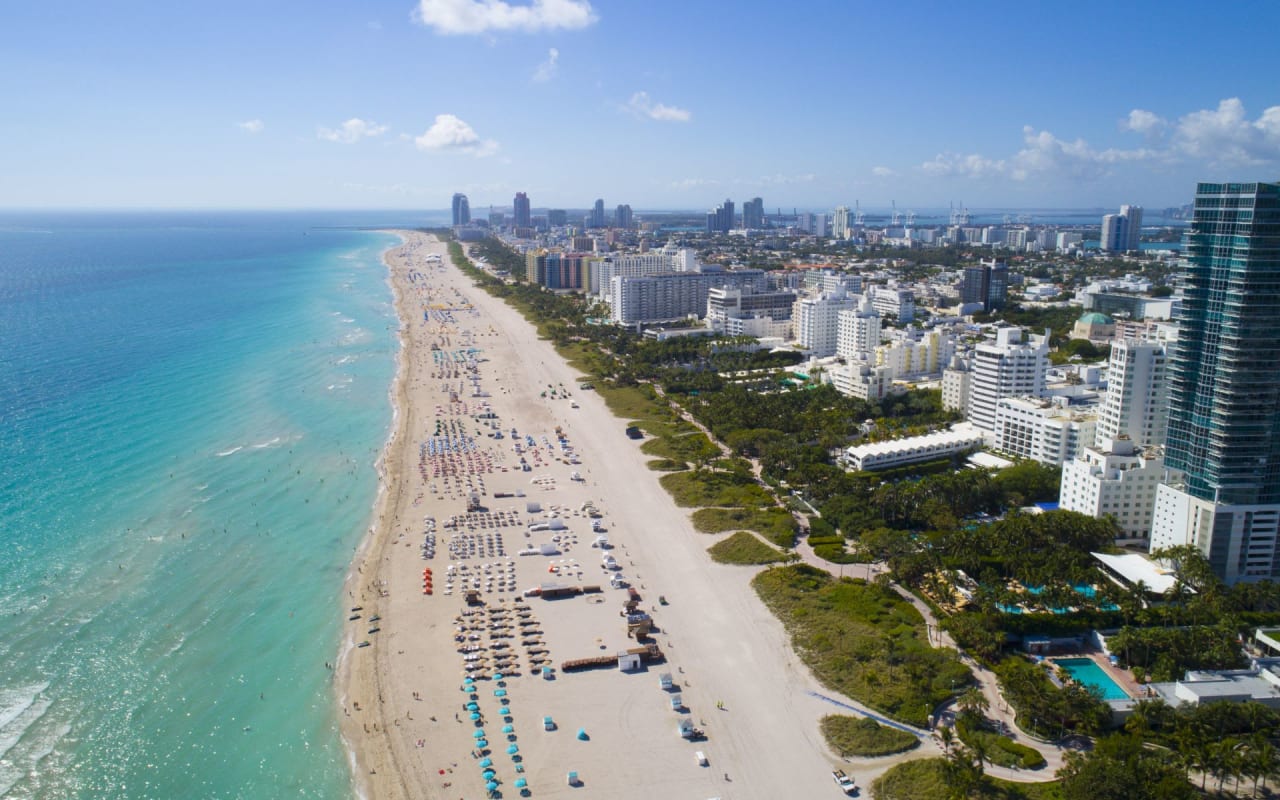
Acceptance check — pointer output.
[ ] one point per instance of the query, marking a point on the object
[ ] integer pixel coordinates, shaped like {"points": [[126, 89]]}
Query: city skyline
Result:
{"points": [[401, 103]]}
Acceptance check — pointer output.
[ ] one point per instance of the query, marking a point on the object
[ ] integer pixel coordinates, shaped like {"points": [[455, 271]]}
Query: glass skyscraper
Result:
{"points": [[1224, 385]]}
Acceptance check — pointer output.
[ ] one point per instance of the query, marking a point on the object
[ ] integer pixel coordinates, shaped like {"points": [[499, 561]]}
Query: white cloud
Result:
{"points": [[882, 172], [251, 126], [1143, 122], [547, 69], [970, 166], [351, 131], [642, 105], [693, 183], [482, 16], [449, 133], [1225, 135], [785, 180]]}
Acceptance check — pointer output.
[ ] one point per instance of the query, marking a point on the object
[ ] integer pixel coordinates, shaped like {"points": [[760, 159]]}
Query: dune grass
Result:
{"points": [[744, 548], [775, 524], [863, 640], [863, 736]]}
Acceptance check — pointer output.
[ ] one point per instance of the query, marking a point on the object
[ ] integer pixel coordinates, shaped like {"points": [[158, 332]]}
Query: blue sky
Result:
{"points": [[660, 104]]}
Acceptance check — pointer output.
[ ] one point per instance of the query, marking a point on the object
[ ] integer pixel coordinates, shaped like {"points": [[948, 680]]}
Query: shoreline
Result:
{"points": [[356, 585]]}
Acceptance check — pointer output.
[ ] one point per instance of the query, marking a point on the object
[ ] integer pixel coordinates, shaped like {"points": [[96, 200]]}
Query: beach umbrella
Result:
{"points": [[473, 707], [582, 734], [486, 762], [469, 680], [497, 676], [521, 783], [491, 785], [499, 692], [508, 728], [488, 774], [513, 749], [475, 715], [482, 743], [479, 734]]}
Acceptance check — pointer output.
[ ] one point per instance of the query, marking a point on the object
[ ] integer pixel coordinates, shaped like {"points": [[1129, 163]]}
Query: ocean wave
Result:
{"points": [[232, 451], [272, 442], [29, 709], [13, 702]]}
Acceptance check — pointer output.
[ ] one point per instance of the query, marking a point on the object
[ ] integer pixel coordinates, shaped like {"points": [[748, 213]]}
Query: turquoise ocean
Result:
{"points": [[191, 409]]}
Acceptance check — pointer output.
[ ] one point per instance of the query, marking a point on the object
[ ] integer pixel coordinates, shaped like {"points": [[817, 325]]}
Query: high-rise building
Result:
{"points": [[1122, 232], [1007, 367], [523, 216], [753, 214], [557, 217], [622, 217], [1222, 492], [987, 283], [817, 321], [840, 223], [461, 210], [721, 219], [1136, 403], [857, 330], [596, 218]]}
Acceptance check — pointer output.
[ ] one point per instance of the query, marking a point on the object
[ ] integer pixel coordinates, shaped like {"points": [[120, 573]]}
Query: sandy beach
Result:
{"points": [[407, 708]]}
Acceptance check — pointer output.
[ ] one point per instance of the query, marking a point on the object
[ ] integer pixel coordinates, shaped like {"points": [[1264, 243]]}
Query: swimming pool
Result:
{"points": [[1087, 672]]}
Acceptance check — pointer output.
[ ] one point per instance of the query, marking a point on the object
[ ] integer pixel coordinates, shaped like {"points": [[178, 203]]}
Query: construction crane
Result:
{"points": [[955, 216], [964, 214], [858, 216], [896, 218]]}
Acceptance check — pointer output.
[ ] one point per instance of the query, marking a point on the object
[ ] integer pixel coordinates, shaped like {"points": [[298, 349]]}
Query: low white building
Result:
{"points": [[1114, 479], [960, 438], [1042, 429], [863, 381], [955, 385]]}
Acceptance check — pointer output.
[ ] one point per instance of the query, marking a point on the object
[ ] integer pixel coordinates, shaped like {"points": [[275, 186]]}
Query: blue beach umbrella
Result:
{"points": [[475, 715], [488, 774], [521, 783], [497, 676], [491, 786], [486, 762], [479, 734], [482, 743], [513, 749], [582, 734], [508, 728], [499, 692]]}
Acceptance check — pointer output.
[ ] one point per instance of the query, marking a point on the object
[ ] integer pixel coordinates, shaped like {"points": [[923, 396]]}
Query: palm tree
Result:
{"points": [[948, 737], [973, 702]]}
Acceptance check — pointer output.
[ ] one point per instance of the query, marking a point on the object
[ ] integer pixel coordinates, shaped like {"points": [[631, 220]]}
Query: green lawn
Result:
{"points": [[744, 548], [711, 488], [862, 640], [775, 524], [862, 736], [926, 779]]}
